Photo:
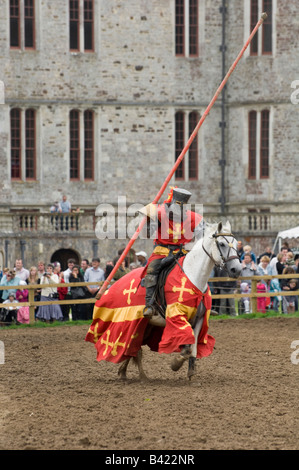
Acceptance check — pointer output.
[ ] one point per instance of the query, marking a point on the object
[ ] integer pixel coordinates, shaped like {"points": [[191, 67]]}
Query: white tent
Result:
{"points": [[291, 233]]}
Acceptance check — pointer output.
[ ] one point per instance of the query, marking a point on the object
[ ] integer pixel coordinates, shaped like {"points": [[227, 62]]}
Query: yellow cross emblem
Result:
{"points": [[177, 232], [114, 345], [182, 289], [187, 324], [130, 291], [95, 333]]}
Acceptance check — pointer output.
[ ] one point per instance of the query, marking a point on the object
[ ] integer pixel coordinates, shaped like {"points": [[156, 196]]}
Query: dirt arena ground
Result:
{"points": [[55, 395]]}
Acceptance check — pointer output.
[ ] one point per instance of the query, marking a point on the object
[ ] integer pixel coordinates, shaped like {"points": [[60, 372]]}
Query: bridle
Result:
{"points": [[231, 247]]}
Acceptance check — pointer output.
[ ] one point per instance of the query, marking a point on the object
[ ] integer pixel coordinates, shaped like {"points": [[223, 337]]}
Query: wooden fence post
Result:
{"points": [[254, 298], [31, 306]]}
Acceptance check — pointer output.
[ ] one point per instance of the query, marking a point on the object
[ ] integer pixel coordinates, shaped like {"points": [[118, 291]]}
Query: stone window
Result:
{"points": [[23, 144], [74, 144], [258, 144], [81, 158], [185, 123], [186, 28], [262, 42], [22, 24], [81, 26]]}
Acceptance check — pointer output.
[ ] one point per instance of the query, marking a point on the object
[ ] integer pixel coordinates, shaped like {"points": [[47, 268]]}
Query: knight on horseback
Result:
{"points": [[175, 227]]}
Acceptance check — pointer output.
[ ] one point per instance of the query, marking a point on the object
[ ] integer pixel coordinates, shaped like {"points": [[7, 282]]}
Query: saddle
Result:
{"points": [[166, 267]]}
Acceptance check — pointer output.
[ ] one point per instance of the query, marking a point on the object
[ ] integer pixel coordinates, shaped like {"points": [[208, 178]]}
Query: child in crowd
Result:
{"points": [[9, 314], [245, 289], [289, 302], [261, 301], [22, 296], [275, 287]]}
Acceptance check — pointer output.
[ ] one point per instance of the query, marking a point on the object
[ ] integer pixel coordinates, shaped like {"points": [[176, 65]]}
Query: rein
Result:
{"points": [[224, 261]]}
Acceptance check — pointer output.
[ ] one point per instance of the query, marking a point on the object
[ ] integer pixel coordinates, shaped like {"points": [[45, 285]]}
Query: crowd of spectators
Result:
{"points": [[264, 264], [15, 281]]}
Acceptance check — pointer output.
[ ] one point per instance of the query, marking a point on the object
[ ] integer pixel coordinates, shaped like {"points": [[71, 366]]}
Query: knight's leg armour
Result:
{"points": [[150, 282]]}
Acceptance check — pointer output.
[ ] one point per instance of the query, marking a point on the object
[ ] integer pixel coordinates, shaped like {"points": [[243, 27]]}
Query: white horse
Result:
{"points": [[218, 247]]}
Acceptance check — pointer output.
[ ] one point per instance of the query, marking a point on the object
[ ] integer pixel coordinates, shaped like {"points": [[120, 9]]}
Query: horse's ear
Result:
{"points": [[219, 229], [227, 224]]}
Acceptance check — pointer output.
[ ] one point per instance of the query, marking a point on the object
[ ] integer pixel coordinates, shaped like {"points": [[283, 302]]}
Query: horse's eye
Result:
{"points": [[222, 244]]}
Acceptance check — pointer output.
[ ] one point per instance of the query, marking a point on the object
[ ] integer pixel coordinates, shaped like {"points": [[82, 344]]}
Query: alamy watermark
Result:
{"points": [[121, 221], [2, 353], [295, 354], [295, 94]]}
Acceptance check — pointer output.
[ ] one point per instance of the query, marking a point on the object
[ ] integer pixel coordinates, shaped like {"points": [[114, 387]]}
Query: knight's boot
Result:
{"points": [[150, 282], [148, 312], [149, 309]]}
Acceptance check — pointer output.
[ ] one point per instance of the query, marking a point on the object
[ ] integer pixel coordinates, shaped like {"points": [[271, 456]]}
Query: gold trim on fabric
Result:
{"points": [[175, 309], [119, 314]]}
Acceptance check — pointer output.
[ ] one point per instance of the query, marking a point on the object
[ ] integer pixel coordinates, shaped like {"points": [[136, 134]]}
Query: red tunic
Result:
{"points": [[175, 233]]}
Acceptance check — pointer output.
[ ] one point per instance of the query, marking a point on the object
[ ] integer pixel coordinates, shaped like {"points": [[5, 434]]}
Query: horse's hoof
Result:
{"points": [[177, 363], [143, 378], [122, 376], [191, 368]]}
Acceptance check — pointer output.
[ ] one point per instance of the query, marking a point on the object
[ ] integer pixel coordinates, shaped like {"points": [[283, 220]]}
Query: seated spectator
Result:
{"points": [[9, 279], [9, 314]]}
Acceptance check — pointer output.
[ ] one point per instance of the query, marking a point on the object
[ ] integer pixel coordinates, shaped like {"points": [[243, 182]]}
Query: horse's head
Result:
{"points": [[224, 249]]}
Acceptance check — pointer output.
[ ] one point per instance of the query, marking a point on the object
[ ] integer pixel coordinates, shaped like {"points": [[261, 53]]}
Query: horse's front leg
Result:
{"points": [[122, 371], [138, 361], [179, 360], [192, 358]]}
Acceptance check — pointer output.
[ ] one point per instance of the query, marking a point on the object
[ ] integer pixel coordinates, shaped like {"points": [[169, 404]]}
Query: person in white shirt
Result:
{"points": [[95, 273], [20, 271]]}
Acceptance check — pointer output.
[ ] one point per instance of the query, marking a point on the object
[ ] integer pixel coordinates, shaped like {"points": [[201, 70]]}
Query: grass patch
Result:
{"points": [[268, 314], [40, 324], [59, 324]]}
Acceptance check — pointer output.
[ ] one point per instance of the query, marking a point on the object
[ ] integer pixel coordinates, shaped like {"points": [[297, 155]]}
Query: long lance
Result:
{"points": [[182, 155]]}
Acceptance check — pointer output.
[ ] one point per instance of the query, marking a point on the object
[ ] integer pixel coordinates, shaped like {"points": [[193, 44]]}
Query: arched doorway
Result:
{"points": [[63, 255]]}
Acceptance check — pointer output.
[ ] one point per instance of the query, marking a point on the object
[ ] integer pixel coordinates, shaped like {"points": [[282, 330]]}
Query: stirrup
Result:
{"points": [[148, 312]]}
